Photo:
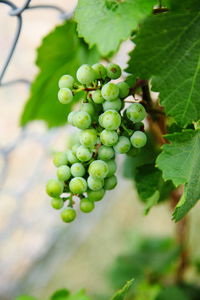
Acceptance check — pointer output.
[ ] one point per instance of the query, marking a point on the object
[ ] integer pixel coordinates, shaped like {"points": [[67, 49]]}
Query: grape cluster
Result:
{"points": [[107, 127]]}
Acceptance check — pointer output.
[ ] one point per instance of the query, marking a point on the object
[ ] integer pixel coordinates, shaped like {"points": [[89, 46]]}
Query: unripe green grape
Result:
{"points": [[110, 91], [95, 184], [98, 169], [123, 145], [112, 167], [97, 97], [110, 120], [85, 74], [54, 188], [60, 158], [66, 81], [65, 95], [96, 195], [89, 108], [71, 157], [110, 183], [78, 185], [57, 203], [78, 170], [113, 71], [75, 147], [88, 137], [109, 137], [68, 215], [105, 153], [136, 112], [82, 120], [123, 89], [63, 173], [112, 105], [100, 71], [86, 205], [83, 153], [70, 117], [138, 139]]}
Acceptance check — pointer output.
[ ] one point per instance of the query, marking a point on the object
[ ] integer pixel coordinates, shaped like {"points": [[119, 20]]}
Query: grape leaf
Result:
{"points": [[179, 162], [120, 295], [106, 23], [184, 4], [149, 180], [61, 52], [168, 51]]}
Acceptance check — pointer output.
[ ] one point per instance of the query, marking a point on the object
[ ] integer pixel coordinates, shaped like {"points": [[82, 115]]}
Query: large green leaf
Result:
{"points": [[180, 161], [120, 295], [106, 23], [168, 51], [61, 52]]}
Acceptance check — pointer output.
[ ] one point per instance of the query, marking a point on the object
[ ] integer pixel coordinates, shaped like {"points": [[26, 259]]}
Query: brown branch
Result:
{"points": [[181, 238]]}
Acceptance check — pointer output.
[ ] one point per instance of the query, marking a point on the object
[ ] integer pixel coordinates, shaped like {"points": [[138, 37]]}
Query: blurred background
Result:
{"points": [[38, 253]]}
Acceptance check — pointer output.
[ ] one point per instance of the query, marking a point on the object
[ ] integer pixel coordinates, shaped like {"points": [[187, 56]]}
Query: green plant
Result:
{"points": [[165, 60]]}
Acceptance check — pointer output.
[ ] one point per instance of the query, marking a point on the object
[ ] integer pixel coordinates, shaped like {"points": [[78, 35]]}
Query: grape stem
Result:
{"points": [[70, 200]]}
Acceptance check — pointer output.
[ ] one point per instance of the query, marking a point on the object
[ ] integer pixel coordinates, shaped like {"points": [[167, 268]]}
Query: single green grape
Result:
{"points": [[136, 112], [105, 153], [78, 185], [112, 105], [86, 205], [71, 157], [109, 137], [60, 158], [66, 81], [70, 117], [81, 120], [85, 74], [89, 108], [123, 89], [54, 187], [88, 137], [138, 139], [112, 167], [65, 95], [100, 71], [110, 120], [98, 169], [78, 170], [110, 183], [97, 97], [75, 147], [68, 214], [96, 195], [95, 184], [83, 153], [113, 71], [57, 203], [110, 91], [123, 145], [63, 173]]}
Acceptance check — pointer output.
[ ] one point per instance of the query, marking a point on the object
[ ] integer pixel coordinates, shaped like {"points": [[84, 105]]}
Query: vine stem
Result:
{"points": [[157, 125], [181, 238]]}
